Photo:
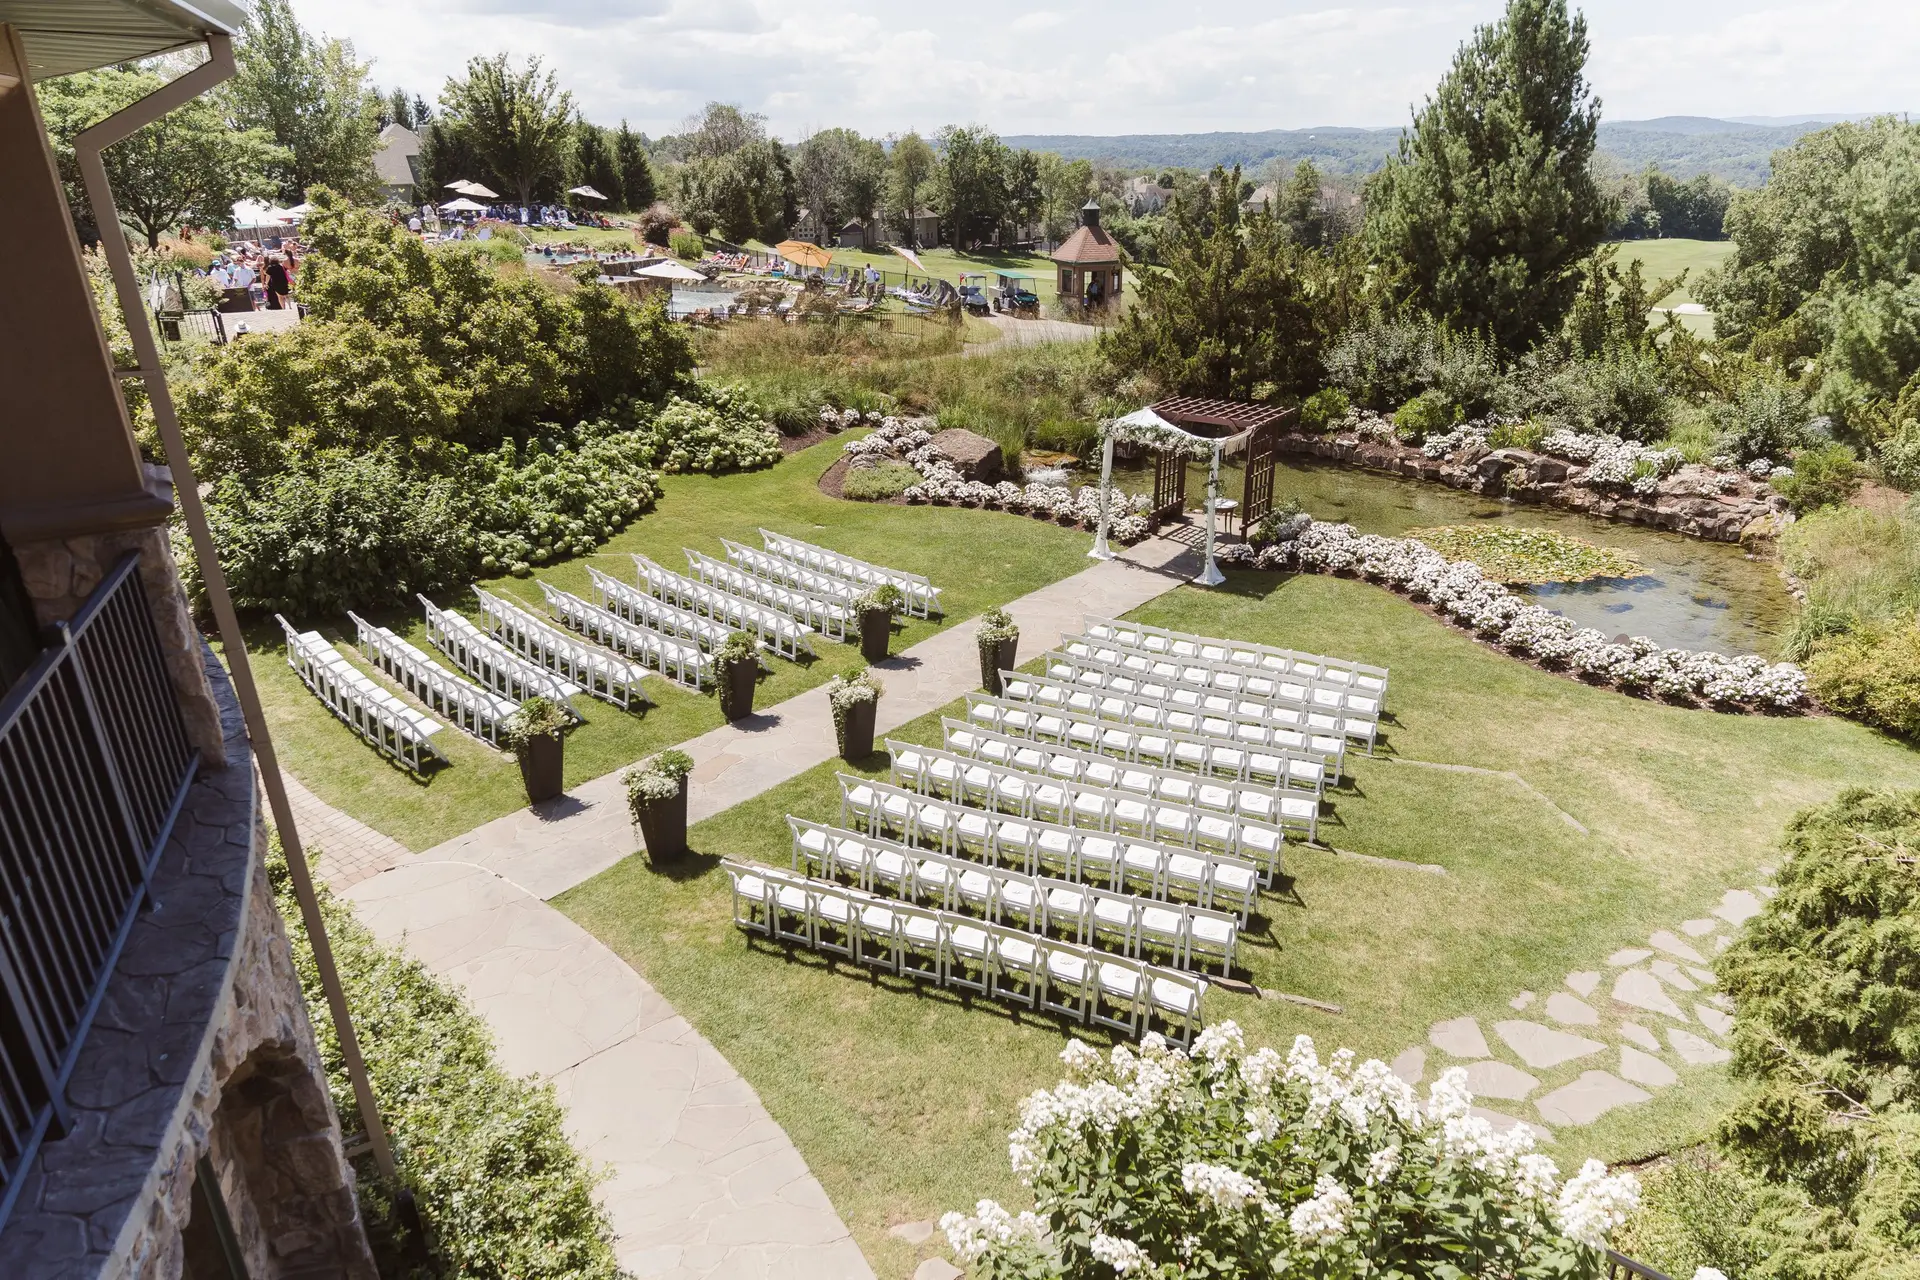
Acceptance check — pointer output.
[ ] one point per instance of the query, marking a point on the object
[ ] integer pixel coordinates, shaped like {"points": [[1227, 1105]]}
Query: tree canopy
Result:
{"points": [[1491, 206], [912, 164], [311, 96], [517, 121]]}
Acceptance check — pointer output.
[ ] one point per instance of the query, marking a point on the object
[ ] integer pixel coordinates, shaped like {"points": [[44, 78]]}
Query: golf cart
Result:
{"points": [[973, 293], [1016, 293]]}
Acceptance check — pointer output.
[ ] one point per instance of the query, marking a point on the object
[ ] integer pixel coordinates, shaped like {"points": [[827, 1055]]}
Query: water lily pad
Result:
{"points": [[1510, 554]]}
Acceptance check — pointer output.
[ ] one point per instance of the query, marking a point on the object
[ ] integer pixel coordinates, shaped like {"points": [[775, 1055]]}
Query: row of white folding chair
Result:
{"points": [[775, 629], [1138, 863], [1181, 644], [635, 605], [491, 663], [1192, 936], [476, 710], [1253, 751], [674, 657], [381, 719], [789, 573], [1294, 808], [923, 598], [1047, 692], [1001, 963], [597, 672], [1092, 674], [828, 617], [983, 784], [1227, 676]]}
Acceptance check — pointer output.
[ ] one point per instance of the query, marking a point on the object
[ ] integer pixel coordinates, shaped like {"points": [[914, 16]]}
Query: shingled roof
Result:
{"points": [[1088, 245]]}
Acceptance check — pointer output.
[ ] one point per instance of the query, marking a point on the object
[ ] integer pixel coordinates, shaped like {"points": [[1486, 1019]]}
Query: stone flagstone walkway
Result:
{"points": [[703, 1182], [1657, 1013]]}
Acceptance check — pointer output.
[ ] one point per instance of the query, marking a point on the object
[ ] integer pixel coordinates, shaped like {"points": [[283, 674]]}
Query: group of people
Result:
{"points": [[237, 271]]}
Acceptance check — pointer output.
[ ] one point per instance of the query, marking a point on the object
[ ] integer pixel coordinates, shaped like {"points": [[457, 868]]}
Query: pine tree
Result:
{"points": [[637, 187], [1490, 208]]}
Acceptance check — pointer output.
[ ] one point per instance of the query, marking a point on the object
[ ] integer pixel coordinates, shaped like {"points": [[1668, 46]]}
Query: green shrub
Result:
{"points": [[687, 245], [1872, 675], [501, 1192], [1528, 434], [1824, 476], [880, 482], [1696, 1210], [1324, 408], [721, 432], [1898, 456], [1428, 413], [1767, 418]]}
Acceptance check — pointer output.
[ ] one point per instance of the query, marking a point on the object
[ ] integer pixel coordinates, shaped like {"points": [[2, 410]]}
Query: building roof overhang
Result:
{"points": [[64, 36]]}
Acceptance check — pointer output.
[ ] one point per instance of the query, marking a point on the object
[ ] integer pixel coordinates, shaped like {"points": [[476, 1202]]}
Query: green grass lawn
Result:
{"points": [[1664, 259], [1680, 805], [980, 559]]}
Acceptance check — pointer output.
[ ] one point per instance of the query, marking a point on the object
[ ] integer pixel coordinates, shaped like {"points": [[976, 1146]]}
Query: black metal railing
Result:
{"points": [[94, 766], [1621, 1267], [209, 326]]}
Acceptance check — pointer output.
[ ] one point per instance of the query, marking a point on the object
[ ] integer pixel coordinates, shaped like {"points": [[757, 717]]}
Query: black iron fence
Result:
{"points": [[94, 766], [209, 326], [1621, 1267]]}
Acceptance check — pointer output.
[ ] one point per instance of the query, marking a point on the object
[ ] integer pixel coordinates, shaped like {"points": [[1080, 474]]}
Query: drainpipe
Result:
{"points": [[106, 215]]}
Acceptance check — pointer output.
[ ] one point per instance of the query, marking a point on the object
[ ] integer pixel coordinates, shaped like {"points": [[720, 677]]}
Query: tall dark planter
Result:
{"points": [[663, 825], [542, 762], [856, 741], [994, 660], [736, 687], [876, 628]]}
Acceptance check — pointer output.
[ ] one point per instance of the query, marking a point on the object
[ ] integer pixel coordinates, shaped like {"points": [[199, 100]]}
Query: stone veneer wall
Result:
{"points": [[201, 1046], [1688, 501]]}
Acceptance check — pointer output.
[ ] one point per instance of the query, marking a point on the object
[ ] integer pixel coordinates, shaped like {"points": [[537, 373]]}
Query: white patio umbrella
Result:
{"points": [[462, 205], [258, 213], [588, 192], [670, 271], [466, 188]]}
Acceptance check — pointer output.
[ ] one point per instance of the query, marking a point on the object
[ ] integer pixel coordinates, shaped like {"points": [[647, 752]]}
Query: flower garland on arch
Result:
{"points": [[1163, 439]]}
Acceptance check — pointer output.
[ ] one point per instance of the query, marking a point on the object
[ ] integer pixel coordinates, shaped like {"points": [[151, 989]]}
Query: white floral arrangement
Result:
{"points": [[1458, 589], [1165, 439], [1475, 431], [841, 419], [1153, 1162], [1367, 425]]}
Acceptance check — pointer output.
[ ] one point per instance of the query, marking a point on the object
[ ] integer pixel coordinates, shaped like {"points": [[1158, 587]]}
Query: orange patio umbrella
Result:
{"points": [[803, 253]]}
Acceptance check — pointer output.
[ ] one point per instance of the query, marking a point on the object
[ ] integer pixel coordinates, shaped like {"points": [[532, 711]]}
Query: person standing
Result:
{"points": [[277, 285]]}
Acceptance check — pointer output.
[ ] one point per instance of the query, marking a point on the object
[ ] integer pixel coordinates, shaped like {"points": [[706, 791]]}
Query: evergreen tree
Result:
{"points": [[637, 189], [1490, 208], [594, 162]]}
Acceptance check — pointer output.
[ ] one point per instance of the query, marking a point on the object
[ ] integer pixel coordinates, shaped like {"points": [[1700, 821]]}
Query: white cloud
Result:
{"points": [[1122, 66]]}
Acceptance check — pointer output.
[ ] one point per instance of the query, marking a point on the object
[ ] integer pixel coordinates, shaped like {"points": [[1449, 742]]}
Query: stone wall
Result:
{"points": [[1690, 501], [202, 1047], [61, 573]]}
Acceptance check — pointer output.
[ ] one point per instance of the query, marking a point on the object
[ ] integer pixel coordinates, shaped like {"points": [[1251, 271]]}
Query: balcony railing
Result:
{"points": [[1621, 1267], [94, 766]]}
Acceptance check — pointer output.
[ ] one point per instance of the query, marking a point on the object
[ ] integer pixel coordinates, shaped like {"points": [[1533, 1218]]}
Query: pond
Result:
{"points": [[1693, 595]]}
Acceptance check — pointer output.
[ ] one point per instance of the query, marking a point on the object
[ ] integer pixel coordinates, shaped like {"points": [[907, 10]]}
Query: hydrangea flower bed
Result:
{"points": [[909, 440], [1151, 1162], [1460, 590], [1512, 555]]}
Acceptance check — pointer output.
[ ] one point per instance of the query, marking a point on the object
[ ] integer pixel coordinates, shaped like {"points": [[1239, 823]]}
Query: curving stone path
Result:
{"points": [[703, 1182], [1654, 1006]]}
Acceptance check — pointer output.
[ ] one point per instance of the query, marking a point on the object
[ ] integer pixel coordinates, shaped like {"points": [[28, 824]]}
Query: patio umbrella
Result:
{"points": [[670, 271], [910, 256], [588, 192], [475, 189], [462, 205], [257, 213], [802, 253]]}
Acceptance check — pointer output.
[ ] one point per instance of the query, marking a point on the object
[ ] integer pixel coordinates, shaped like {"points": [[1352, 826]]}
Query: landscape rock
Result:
{"points": [[1460, 1037], [1695, 1050], [1642, 990], [1644, 1068], [1541, 1046], [974, 456], [1588, 1098]]}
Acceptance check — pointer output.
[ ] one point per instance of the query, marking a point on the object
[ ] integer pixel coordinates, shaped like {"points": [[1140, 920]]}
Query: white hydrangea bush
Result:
{"points": [[1460, 590], [1149, 1162], [909, 440]]}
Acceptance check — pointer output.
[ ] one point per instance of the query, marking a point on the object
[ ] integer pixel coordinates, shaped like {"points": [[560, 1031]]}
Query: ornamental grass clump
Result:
{"points": [[1510, 554], [1153, 1163]]}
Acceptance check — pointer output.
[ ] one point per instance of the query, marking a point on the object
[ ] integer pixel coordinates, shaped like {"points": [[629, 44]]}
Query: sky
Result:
{"points": [[1121, 66]]}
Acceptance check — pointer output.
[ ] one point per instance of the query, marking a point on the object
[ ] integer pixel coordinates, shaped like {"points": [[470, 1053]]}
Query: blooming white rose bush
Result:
{"points": [[1460, 590], [909, 440], [1151, 1163]]}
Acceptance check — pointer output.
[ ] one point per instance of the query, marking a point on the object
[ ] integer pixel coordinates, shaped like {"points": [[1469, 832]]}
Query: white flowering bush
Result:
{"points": [[1153, 1163], [1458, 589]]}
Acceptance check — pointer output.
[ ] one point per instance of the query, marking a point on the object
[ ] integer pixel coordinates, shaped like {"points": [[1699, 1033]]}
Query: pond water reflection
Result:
{"points": [[1693, 595]]}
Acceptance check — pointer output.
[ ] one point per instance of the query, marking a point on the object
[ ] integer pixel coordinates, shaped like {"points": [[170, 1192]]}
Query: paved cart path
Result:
{"points": [[703, 1182]]}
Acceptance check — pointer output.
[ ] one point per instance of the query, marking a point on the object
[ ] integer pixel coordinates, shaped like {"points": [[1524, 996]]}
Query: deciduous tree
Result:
{"points": [[971, 181], [517, 121], [311, 96], [1491, 206], [912, 163]]}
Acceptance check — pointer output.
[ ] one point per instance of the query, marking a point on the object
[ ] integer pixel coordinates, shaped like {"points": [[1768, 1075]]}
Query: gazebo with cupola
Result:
{"points": [[1089, 263], [1183, 428]]}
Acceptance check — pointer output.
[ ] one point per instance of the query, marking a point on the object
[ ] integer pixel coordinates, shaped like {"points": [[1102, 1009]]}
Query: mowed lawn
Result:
{"points": [[900, 1098], [1664, 259], [980, 559]]}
